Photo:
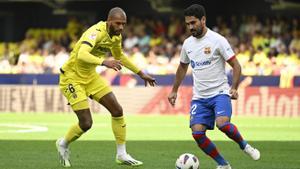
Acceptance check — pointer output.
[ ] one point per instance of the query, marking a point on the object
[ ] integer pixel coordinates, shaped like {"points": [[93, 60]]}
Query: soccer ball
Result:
{"points": [[187, 161]]}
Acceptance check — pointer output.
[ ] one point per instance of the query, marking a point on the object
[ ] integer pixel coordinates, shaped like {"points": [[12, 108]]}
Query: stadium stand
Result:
{"points": [[268, 47]]}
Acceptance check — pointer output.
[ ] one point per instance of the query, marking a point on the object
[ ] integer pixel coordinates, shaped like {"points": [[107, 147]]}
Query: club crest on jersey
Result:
{"points": [[93, 36], [207, 50]]}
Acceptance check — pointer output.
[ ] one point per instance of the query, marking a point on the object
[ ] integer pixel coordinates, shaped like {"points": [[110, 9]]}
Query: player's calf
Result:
{"points": [[208, 147], [232, 132]]}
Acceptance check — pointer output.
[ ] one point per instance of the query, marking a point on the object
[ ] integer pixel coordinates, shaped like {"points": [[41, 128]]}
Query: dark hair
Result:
{"points": [[195, 10]]}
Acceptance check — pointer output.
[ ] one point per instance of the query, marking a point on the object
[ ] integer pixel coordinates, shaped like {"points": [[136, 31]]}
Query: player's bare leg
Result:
{"points": [[110, 102], [223, 123], [62, 144]]}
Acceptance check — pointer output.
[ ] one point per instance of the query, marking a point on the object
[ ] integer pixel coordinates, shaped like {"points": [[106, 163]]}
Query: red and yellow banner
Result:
{"points": [[253, 101]]}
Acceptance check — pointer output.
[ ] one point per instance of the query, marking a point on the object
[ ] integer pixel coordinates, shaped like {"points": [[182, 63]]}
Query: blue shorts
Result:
{"points": [[205, 111]]}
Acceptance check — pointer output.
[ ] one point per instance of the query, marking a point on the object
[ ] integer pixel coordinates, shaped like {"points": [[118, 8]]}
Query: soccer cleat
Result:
{"points": [[126, 159], [63, 154], [252, 152], [224, 166]]}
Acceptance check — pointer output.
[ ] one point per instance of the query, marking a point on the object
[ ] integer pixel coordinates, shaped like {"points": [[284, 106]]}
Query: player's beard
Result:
{"points": [[197, 33], [114, 31], [117, 32]]}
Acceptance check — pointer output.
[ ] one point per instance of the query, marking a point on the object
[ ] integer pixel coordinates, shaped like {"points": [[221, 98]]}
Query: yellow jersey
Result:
{"points": [[90, 51]]}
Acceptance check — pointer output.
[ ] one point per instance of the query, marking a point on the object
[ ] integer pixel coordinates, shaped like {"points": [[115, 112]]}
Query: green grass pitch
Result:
{"points": [[27, 141]]}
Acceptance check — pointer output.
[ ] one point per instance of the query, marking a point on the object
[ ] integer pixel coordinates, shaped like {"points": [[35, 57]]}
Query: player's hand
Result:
{"points": [[147, 78], [234, 94], [113, 64], [172, 98]]}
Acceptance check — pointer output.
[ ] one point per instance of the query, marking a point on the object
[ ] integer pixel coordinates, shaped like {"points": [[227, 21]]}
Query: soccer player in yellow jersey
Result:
{"points": [[79, 80]]}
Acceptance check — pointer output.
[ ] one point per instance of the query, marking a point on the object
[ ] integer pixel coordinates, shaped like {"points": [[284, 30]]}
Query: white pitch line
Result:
{"points": [[24, 128]]}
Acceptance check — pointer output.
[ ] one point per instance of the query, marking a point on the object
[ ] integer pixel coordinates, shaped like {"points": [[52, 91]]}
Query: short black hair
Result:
{"points": [[195, 10]]}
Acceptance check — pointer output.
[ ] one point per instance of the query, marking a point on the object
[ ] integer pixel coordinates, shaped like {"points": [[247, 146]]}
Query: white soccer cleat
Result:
{"points": [[126, 159], [224, 166], [63, 154], [252, 152]]}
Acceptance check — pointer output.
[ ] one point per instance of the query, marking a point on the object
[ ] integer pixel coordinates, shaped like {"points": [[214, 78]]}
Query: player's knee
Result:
{"points": [[220, 125], [198, 127], [119, 109], [221, 121], [86, 125], [118, 112], [198, 135]]}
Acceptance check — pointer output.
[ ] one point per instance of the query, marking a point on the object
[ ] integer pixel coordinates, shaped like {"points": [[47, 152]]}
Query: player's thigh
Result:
{"points": [[222, 109], [74, 93], [98, 88], [100, 91], [110, 102], [201, 115], [222, 106]]}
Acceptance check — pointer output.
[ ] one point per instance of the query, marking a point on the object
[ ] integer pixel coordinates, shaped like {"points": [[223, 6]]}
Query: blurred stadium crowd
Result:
{"points": [[268, 46]]}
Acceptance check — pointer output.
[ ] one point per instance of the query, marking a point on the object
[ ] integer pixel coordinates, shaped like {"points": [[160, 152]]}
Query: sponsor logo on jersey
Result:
{"points": [[195, 64], [204, 62]]}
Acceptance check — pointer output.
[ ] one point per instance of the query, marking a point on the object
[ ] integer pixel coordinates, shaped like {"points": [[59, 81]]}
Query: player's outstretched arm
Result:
{"points": [[235, 77], [180, 74], [85, 55], [119, 55], [147, 78], [113, 64]]}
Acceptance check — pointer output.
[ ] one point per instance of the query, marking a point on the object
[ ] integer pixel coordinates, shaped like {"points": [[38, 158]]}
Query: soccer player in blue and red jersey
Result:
{"points": [[208, 52]]}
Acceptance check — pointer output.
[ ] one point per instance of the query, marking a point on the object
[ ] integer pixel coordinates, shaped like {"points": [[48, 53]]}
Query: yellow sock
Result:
{"points": [[119, 129], [74, 133]]}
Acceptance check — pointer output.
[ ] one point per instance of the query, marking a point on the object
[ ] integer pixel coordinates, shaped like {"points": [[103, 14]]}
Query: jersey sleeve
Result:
{"points": [[89, 38], [225, 49], [183, 56], [118, 54], [87, 44], [85, 55]]}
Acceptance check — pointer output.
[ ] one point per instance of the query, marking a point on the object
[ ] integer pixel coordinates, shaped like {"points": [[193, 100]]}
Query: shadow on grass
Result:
{"points": [[37, 154]]}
